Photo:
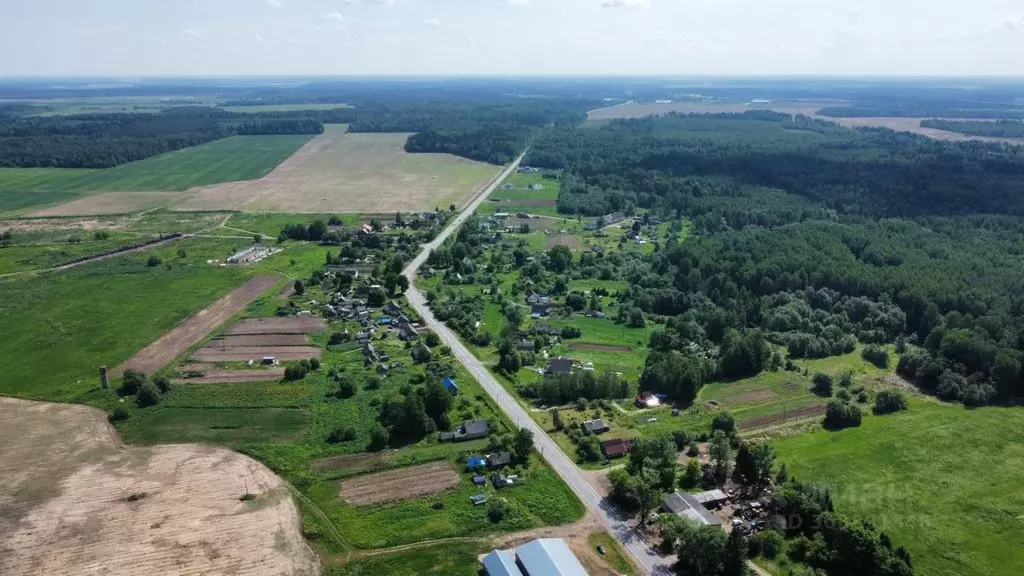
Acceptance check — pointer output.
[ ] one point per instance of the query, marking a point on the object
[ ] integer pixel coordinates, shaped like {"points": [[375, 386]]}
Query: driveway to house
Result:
{"points": [[650, 560]]}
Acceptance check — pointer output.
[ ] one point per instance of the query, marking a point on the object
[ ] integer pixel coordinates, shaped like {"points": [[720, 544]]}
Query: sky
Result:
{"points": [[511, 37]]}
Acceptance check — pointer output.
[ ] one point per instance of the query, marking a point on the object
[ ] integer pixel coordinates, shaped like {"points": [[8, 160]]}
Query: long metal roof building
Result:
{"points": [[542, 557]]}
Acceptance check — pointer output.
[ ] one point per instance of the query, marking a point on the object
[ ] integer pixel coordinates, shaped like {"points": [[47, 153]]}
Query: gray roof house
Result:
{"points": [[687, 506], [559, 366], [469, 430], [595, 426], [499, 459], [542, 557]]}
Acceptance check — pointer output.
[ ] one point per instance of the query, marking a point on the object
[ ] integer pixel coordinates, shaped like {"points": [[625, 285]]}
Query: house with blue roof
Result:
{"points": [[451, 385], [541, 557], [475, 462]]}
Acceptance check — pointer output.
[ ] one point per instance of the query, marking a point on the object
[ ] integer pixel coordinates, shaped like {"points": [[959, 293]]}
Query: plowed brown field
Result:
{"points": [[259, 340], [303, 325], [196, 327], [400, 484], [244, 354], [73, 502]]}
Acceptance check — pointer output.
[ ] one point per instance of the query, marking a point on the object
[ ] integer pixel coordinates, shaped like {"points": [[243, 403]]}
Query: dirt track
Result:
{"points": [[65, 507], [400, 484], [196, 327], [302, 325], [255, 353]]}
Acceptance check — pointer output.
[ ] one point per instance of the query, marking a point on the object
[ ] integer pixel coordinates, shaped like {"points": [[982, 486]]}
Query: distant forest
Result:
{"points": [[813, 237], [999, 129]]}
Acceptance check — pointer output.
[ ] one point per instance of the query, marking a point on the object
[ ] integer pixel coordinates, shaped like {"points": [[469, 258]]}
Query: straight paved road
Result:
{"points": [[651, 562]]}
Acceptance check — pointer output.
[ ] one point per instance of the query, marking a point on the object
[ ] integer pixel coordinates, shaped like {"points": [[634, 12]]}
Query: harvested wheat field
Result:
{"points": [[111, 203], [233, 376], [342, 172], [303, 325], [74, 502], [195, 328], [400, 484], [255, 353]]}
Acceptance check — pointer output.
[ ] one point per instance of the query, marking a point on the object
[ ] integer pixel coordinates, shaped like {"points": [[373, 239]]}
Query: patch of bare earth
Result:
{"points": [[601, 347], [255, 353], [568, 241], [260, 340], [233, 376], [111, 203], [195, 328], [74, 502], [575, 535], [816, 410], [400, 484], [303, 325], [342, 172]]}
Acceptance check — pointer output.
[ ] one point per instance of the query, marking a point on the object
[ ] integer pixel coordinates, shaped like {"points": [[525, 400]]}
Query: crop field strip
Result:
{"points": [[255, 353], [400, 484], [192, 331], [261, 326], [233, 376]]}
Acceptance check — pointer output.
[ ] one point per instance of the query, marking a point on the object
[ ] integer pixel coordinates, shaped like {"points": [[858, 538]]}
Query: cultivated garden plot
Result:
{"points": [[80, 497], [401, 484]]}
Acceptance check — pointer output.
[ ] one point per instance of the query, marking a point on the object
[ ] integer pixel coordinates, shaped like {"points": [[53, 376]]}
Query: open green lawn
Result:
{"points": [[228, 426], [230, 159], [614, 554], [24, 257], [448, 559], [60, 328], [943, 481]]}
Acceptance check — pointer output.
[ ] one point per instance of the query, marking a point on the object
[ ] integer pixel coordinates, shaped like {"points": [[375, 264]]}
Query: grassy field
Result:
{"points": [[943, 481], [450, 559], [614, 554], [521, 198], [362, 173], [286, 107], [231, 159]]}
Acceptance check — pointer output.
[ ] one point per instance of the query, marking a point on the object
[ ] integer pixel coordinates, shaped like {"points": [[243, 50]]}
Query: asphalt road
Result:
{"points": [[646, 557]]}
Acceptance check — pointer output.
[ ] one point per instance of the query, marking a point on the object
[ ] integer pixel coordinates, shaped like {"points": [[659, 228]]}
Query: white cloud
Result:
{"points": [[149, 38], [338, 16], [519, 2], [84, 32], [432, 22], [625, 3], [274, 3], [190, 33], [113, 28]]}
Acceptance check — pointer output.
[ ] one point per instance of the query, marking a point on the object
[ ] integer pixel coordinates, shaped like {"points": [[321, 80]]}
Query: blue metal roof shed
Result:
{"points": [[549, 556], [451, 385], [475, 462]]}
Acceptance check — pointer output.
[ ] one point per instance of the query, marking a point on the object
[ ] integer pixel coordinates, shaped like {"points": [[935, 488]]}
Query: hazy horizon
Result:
{"points": [[726, 38]]}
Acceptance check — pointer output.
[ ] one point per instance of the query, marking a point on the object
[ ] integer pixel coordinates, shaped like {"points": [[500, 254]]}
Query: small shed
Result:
{"points": [[451, 386], [479, 479], [596, 426], [478, 499], [475, 462]]}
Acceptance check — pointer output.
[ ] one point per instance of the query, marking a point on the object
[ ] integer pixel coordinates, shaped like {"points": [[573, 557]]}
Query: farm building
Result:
{"points": [[499, 459], [596, 426], [541, 557], [469, 430], [711, 498], [451, 386], [647, 400], [251, 254], [407, 331], [559, 366], [539, 311], [616, 448], [687, 506]]}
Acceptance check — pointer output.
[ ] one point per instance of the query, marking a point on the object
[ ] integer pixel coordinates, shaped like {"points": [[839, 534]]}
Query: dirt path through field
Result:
{"points": [[75, 502], [196, 327], [163, 242]]}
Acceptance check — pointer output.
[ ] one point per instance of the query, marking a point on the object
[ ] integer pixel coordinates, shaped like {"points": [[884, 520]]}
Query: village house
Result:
{"points": [[559, 366], [468, 430], [616, 448], [689, 507], [596, 426]]}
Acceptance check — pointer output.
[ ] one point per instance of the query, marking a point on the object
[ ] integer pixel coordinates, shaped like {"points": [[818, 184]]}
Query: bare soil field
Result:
{"points": [[641, 109], [749, 397], [195, 328], [259, 340], [303, 325], [400, 484], [234, 376], [602, 347], [538, 202], [535, 224], [353, 462], [815, 410], [111, 203], [570, 241], [914, 125], [75, 502], [341, 172], [245, 353]]}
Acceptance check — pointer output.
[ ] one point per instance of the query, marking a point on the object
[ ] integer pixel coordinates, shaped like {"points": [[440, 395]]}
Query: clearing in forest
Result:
{"points": [[342, 172], [75, 502], [401, 484], [194, 329]]}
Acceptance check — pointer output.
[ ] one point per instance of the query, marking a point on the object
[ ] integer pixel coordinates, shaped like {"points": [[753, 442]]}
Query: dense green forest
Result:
{"points": [[811, 237], [999, 129], [923, 110]]}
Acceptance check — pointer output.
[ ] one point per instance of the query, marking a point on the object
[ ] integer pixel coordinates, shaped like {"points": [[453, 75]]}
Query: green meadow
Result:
{"points": [[943, 481]]}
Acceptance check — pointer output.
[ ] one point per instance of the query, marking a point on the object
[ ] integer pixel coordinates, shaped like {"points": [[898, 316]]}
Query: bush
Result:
{"points": [[300, 288], [379, 437], [876, 355], [889, 401], [432, 339], [163, 383], [862, 397], [346, 387], [846, 380], [767, 543], [118, 415], [292, 373], [497, 509], [822, 384], [844, 395], [153, 261], [101, 235], [314, 364], [346, 434], [373, 382], [724, 422], [569, 332], [839, 415], [131, 381], [148, 395], [681, 438], [691, 476]]}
